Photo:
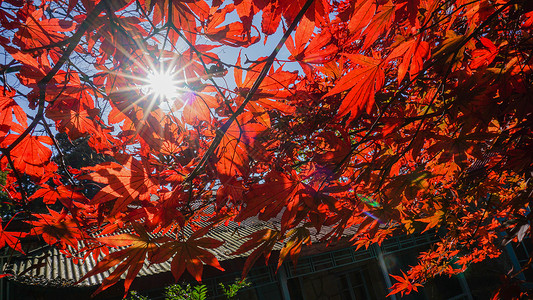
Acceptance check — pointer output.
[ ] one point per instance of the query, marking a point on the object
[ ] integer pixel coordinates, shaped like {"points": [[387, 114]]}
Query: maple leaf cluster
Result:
{"points": [[393, 116]]}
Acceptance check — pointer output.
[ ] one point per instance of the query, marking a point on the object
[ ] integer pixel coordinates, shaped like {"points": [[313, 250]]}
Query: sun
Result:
{"points": [[162, 85]]}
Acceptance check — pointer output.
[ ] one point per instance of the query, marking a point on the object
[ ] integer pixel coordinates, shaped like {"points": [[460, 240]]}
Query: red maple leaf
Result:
{"points": [[30, 155], [37, 32], [379, 24], [57, 229], [130, 259], [414, 53], [124, 183], [278, 192], [404, 285], [360, 84], [190, 254], [261, 242], [11, 238], [8, 109], [238, 145], [62, 193]]}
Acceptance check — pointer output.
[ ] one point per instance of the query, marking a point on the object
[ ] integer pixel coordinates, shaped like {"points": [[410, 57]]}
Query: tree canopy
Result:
{"points": [[395, 116]]}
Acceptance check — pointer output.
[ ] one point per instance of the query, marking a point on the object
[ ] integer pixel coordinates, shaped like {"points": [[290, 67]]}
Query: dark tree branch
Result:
{"points": [[264, 72]]}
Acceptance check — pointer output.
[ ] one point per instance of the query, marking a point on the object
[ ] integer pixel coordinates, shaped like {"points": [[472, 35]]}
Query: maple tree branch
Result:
{"points": [[270, 60], [425, 115], [476, 31], [7, 154], [433, 61], [87, 80], [430, 64], [389, 165], [354, 146], [482, 217], [200, 54], [426, 26], [49, 46], [60, 153], [85, 25], [115, 23]]}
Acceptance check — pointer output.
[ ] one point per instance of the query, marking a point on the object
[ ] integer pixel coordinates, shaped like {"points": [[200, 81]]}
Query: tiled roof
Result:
{"points": [[47, 266]]}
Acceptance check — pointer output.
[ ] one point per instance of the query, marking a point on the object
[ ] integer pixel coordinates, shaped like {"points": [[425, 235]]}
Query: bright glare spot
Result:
{"points": [[162, 85]]}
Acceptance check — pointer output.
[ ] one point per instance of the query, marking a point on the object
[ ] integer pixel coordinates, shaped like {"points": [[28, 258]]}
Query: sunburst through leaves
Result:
{"points": [[163, 85]]}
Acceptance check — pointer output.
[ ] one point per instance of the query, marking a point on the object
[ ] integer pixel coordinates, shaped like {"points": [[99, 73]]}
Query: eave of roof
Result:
{"points": [[50, 267]]}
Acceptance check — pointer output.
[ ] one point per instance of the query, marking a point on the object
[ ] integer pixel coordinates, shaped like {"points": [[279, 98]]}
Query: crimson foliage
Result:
{"points": [[395, 116]]}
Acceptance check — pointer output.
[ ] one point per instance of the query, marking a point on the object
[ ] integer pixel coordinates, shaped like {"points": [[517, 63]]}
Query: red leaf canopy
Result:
{"points": [[394, 117]]}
